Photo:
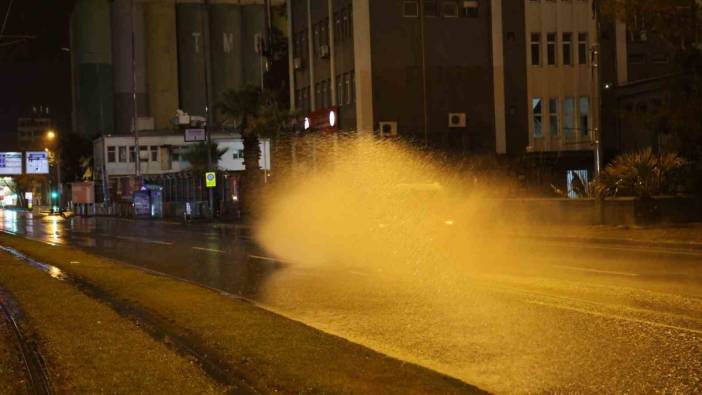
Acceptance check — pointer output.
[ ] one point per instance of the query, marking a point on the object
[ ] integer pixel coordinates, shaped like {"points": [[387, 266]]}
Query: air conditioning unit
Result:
{"points": [[388, 129], [457, 120], [324, 51], [298, 64]]}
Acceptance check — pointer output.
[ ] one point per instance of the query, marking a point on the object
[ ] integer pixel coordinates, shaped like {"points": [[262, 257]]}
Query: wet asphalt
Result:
{"points": [[579, 319]]}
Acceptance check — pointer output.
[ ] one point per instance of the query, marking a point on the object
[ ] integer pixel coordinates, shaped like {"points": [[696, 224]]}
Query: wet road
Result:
{"points": [[579, 318]]}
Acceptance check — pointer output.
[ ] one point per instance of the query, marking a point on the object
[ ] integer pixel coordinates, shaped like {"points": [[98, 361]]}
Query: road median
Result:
{"points": [[269, 352]]}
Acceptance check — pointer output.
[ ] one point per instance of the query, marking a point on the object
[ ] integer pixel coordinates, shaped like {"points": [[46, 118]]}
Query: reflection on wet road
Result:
{"points": [[579, 319]]}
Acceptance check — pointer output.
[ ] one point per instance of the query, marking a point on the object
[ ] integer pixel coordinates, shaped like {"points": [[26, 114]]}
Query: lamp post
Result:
{"points": [[51, 137]]}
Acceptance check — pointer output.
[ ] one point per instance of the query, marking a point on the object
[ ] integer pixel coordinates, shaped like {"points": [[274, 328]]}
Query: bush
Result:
{"points": [[642, 174]]}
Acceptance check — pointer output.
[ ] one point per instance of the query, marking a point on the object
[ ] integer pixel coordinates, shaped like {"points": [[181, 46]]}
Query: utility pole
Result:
{"points": [[135, 114], [425, 104], [208, 100], [596, 102]]}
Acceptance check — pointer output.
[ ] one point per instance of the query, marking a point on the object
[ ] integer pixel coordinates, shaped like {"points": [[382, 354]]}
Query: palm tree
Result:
{"points": [[642, 174], [196, 155], [253, 113]]}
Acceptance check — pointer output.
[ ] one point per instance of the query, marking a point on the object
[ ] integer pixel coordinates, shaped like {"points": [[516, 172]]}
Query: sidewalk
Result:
{"points": [[229, 338]]}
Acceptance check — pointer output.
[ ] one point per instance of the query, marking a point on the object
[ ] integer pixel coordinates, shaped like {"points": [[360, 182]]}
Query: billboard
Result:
{"points": [[10, 163], [37, 162]]}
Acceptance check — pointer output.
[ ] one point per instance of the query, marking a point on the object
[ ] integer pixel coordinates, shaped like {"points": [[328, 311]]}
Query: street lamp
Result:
{"points": [[51, 149]]}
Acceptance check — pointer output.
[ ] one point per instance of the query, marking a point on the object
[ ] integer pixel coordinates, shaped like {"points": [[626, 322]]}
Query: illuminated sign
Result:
{"points": [[324, 120], [10, 163], [192, 135], [211, 179], [37, 162]]}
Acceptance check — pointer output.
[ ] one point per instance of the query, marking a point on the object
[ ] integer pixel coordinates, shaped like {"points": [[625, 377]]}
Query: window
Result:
{"points": [[582, 48], [470, 8], [353, 87], [553, 116], [637, 58], [154, 153], [347, 82], [143, 153], [535, 49], [551, 49], [325, 90], [317, 96], [429, 7], [339, 90], [111, 154], [410, 8], [238, 154], [132, 154], [122, 154], [315, 36], [449, 9], [537, 110], [584, 110], [567, 49], [568, 116]]}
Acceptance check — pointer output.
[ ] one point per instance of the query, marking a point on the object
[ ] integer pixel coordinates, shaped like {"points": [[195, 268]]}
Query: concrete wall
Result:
{"points": [[621, 211], [162, 63], [459, 74], [124, 19], [92, 67]]}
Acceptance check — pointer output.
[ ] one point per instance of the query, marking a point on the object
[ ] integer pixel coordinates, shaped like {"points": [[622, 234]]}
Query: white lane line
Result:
{"points": [[209, 250], [616, 317], [268, 259], [588, 270], [148, 241]]}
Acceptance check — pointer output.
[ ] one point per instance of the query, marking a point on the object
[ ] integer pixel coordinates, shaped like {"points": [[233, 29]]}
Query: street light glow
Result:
{"points": [[50, 134]]}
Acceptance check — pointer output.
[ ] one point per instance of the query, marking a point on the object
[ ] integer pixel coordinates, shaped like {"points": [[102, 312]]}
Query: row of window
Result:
{"points": [[566, 46], [119, 153], [345, 93], [343, 30], [554, 110], [444, 8]]}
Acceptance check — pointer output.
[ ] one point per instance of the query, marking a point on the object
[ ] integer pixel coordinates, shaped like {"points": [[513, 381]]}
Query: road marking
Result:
{"points": [[209, 250], [269, 259], [167, 243], [616, 317], [584, 269]]}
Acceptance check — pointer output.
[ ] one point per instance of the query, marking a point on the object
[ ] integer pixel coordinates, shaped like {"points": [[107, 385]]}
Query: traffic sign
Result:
{"points": [[211, 179]]}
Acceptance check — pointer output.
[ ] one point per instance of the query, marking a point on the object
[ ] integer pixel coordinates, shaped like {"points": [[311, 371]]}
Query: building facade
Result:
{"points": [[33, 127], [515, 78], [162, 160]]}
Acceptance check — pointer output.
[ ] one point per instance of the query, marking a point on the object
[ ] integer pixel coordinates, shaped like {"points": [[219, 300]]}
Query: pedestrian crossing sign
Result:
{"points": [[211, 179]]}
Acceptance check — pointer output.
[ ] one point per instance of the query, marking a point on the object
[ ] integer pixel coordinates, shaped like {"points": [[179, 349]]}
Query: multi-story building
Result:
{"points": [[508, 77], [159, 56], [162, 160], [33, 127]]}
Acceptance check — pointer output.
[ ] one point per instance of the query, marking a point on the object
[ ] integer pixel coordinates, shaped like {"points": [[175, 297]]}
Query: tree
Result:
{"points": [[253, 113], [196, 155], [672, 26], [76, 156]]}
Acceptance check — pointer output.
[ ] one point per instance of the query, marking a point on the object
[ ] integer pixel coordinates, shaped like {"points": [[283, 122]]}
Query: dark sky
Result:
{"points": [[34, 71]]}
